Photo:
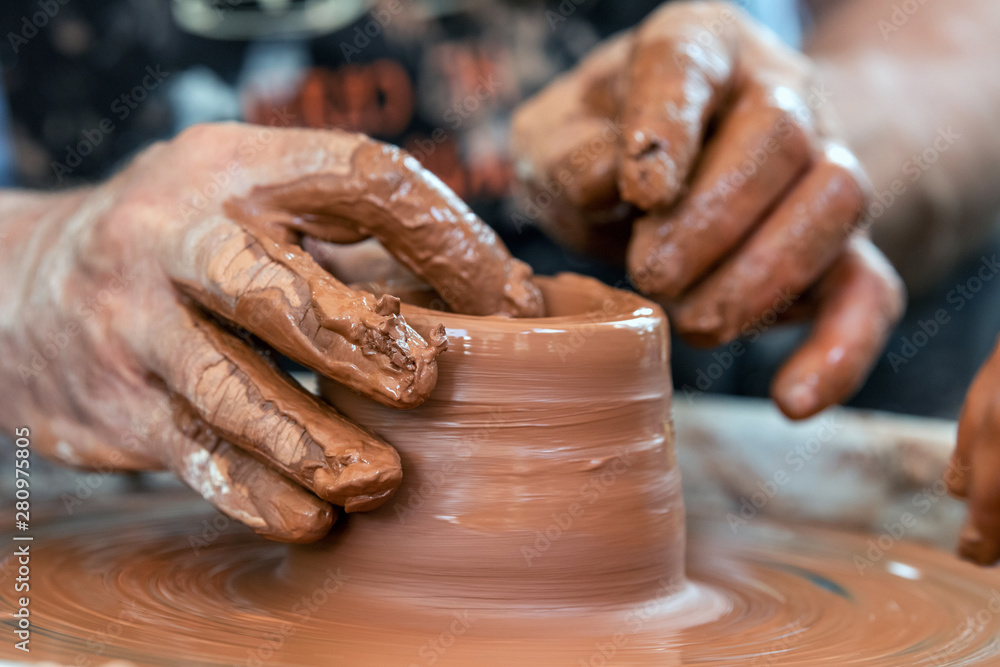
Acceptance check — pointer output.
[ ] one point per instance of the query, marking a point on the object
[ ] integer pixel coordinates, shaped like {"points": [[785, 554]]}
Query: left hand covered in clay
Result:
{"points": [[134, 312], [700, 149]]}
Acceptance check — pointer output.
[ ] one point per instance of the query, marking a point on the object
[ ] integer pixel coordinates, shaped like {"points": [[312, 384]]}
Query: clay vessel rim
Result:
{"points": [[607, 304]]}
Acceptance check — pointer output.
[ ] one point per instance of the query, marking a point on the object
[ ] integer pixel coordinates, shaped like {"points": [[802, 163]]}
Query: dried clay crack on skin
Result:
{"points": [[305, 439], [315, 320], [223, 474], [386, 195]]}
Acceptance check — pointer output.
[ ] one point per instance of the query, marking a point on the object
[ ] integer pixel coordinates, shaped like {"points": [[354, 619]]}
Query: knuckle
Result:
{"points": [[889, 290], [793, 126], [846, 187]]}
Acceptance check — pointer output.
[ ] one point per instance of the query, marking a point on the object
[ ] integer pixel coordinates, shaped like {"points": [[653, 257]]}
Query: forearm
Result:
{"points": [[918, 101], [30, 224]]}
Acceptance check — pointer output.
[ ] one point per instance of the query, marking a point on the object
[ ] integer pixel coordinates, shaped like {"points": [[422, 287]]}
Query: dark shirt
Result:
{"points": [[91, 82]]}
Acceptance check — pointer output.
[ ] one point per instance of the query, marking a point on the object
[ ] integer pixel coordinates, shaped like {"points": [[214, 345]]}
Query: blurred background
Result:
{"points": [[88, 83]]}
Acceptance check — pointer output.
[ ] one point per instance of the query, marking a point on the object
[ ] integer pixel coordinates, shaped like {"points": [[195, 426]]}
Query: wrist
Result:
{"points": [[24, 214], [31, 224]]}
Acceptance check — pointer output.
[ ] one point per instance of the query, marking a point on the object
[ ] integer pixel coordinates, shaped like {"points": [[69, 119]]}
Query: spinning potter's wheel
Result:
{"points": [[539, 522], [162, 587]]}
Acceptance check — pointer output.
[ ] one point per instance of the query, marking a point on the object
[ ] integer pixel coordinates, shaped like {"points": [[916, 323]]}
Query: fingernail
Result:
{"points": [[800, 400]]}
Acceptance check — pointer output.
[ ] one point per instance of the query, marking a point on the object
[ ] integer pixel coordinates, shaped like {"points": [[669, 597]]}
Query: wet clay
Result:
{"points": [[265, 281], [339, 332], [172, 583], [539, 521], [159, 295], [550, 487]]}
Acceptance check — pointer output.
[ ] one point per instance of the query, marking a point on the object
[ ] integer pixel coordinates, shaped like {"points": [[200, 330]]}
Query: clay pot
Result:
{"points": [[540, 472]]}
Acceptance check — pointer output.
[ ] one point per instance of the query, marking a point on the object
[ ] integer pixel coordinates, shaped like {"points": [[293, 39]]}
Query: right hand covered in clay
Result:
{"points": [[133, 314], [697, 149], [974, 473]]}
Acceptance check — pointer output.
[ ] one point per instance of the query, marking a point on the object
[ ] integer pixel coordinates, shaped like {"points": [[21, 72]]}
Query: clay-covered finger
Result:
{"points": [[760, 149], [600, 233], [979, 540], [386, 194], [565, 139], [241, 487], [783, 257], [977, 461], [278, 292], [971, 423], [678, 73], [957, 475], [861, 298], [240, 396]]}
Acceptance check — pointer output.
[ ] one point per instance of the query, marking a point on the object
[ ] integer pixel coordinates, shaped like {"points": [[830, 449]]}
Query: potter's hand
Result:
{"points": [[974, 473], [702, 142], [132, 311]]}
